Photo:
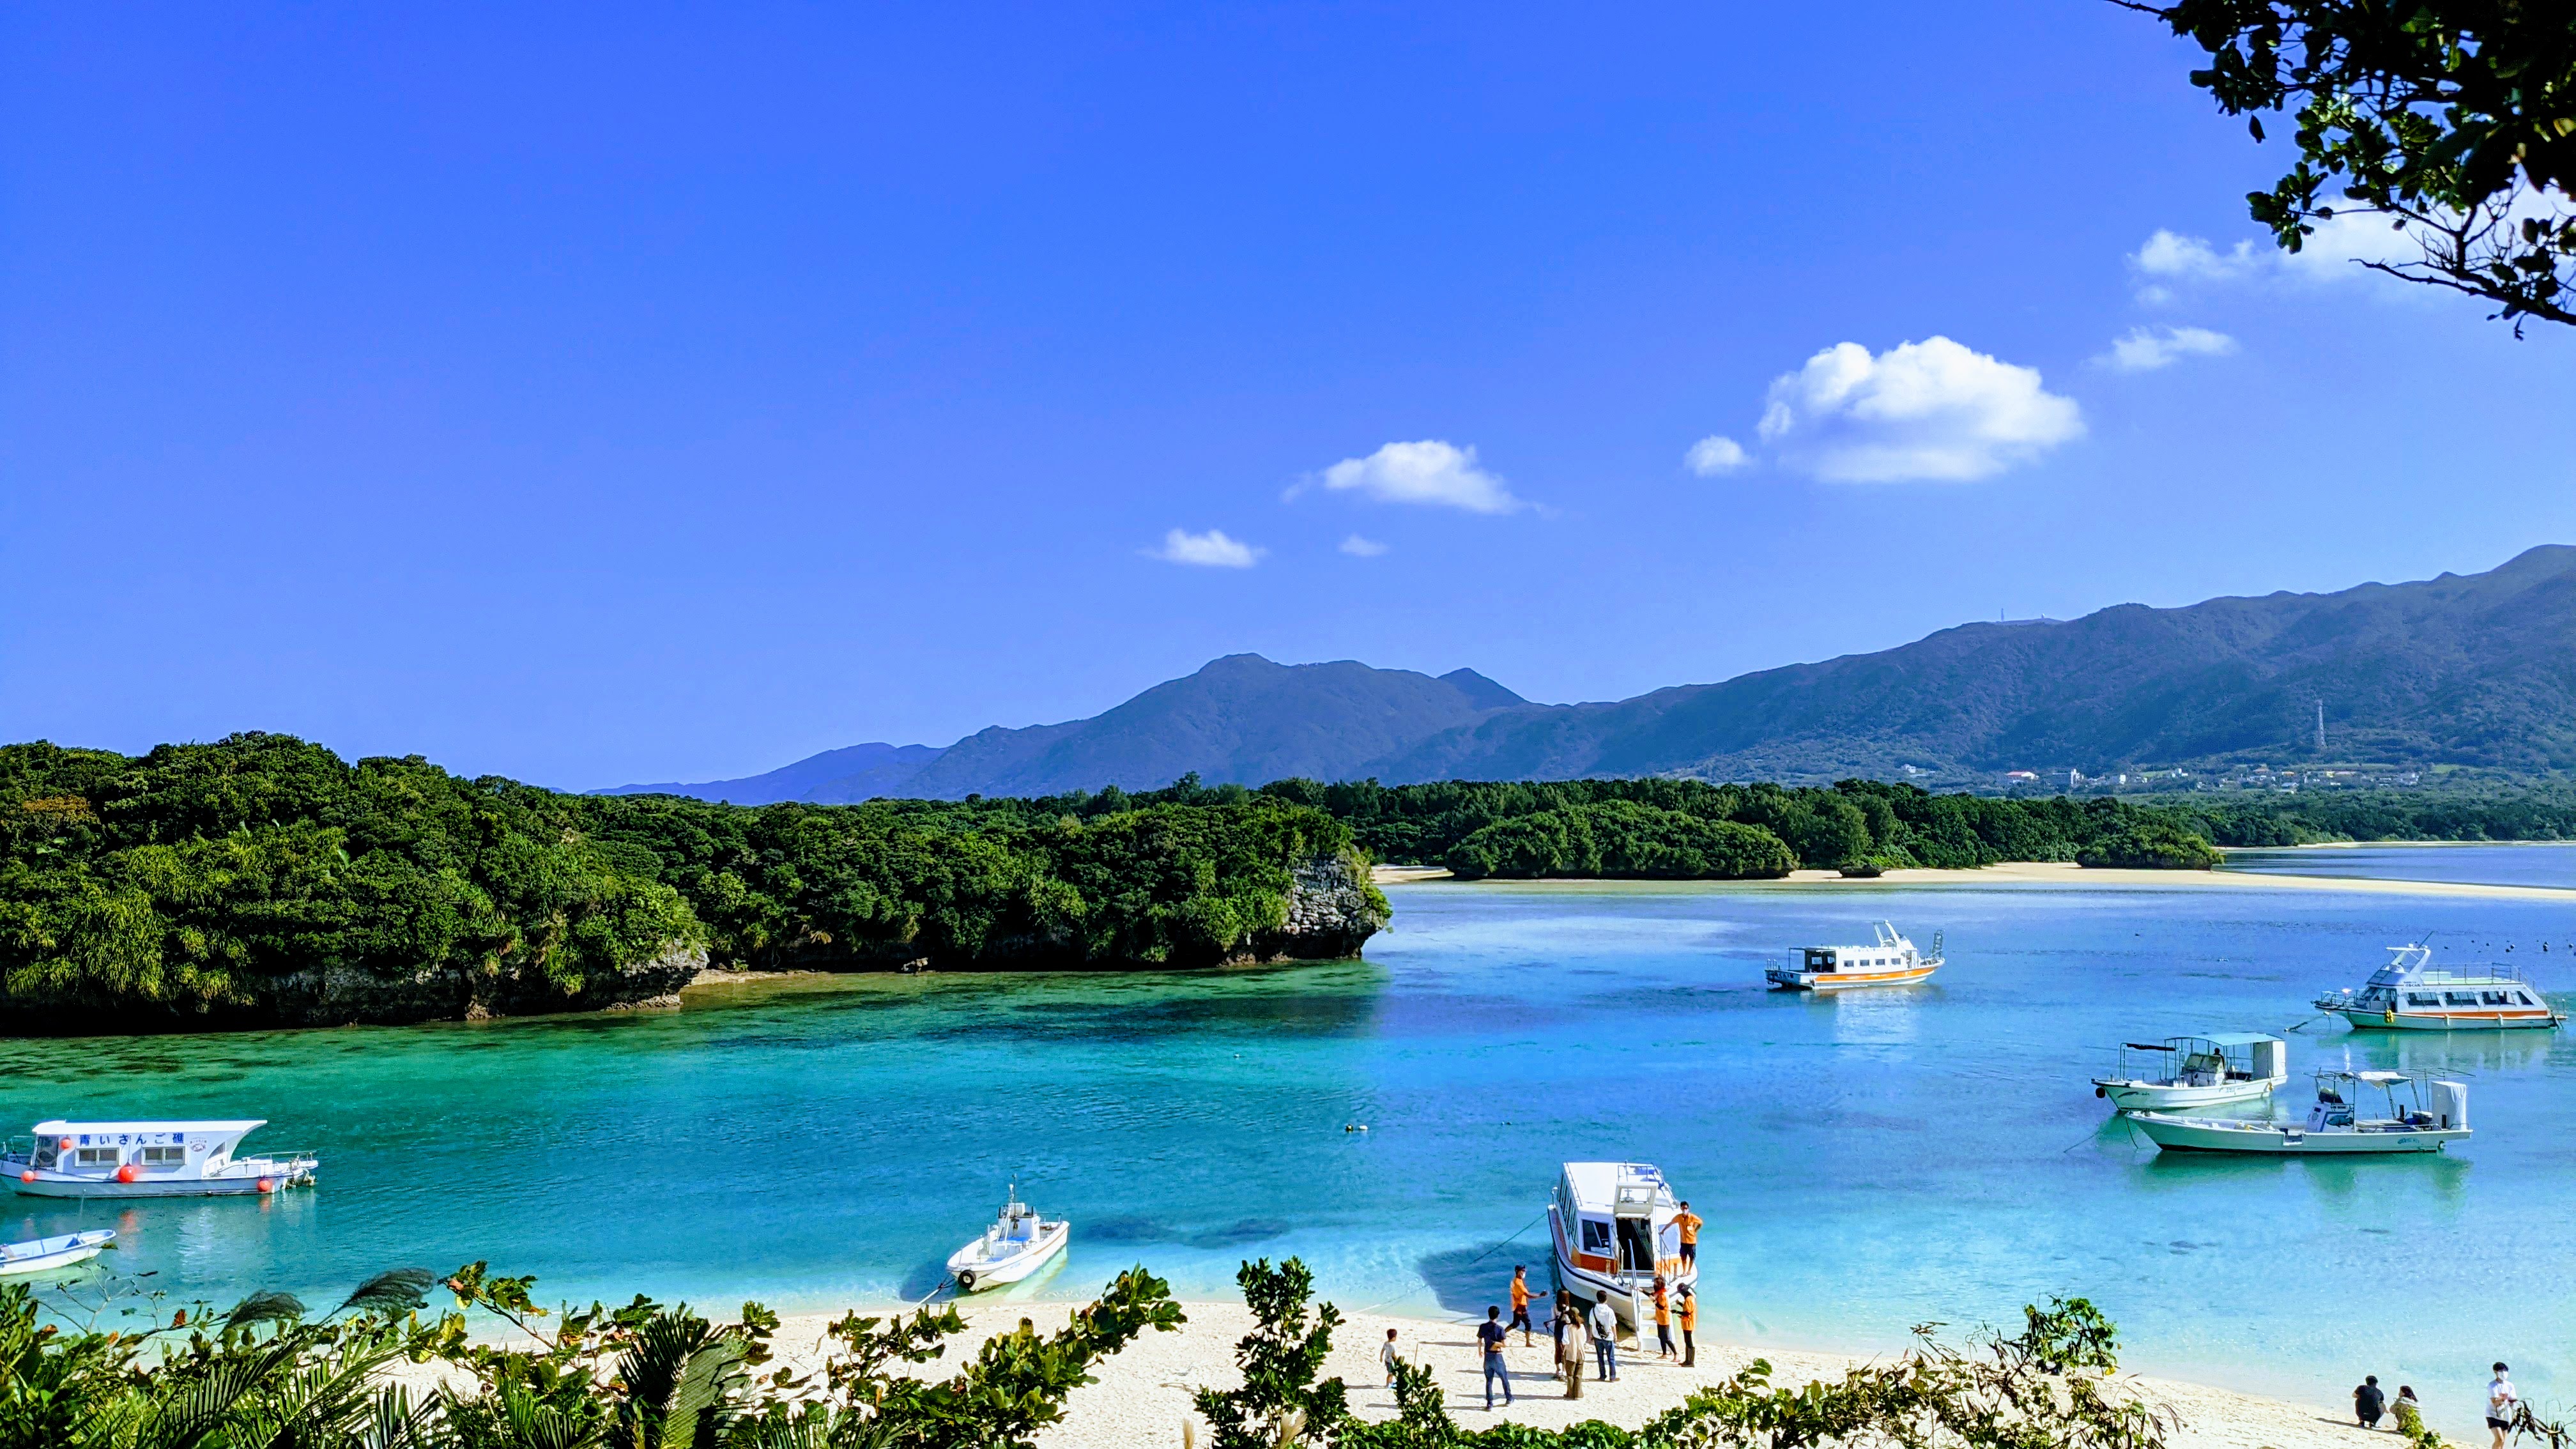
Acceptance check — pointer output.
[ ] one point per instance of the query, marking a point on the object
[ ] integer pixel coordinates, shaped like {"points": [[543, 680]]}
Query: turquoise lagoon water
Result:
{"points": [[1865, 1163]]}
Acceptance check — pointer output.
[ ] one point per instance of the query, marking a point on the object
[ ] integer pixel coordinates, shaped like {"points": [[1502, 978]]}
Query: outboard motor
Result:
{"points": [[2451, 1105]]}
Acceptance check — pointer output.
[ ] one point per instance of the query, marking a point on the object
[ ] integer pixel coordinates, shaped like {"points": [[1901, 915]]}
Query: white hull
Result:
{"points": [[50, 1255], [1587, 1278], [974, 1271], [1830, 981], [2448, 1021], [258, 1175], [2219, 1134], [2158, 1097]]}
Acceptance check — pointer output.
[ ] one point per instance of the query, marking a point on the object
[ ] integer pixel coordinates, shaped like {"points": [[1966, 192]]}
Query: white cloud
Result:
{"points": [[2173, 256], [2145, 349], [1358, 547], [1430, 472], [1923, 410], [1714, 454], [1211, 549], [2333, 251]]}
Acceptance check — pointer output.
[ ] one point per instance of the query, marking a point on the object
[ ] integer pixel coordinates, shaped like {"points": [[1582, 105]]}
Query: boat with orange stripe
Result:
{"points": [[1615, 1233], [1891, 960], [2410, 994]]}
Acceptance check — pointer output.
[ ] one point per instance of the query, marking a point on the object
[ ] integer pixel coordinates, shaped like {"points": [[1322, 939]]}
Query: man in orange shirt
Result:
{"points": [[1690, 1320], [1688, 1222], [1520, 1303]]}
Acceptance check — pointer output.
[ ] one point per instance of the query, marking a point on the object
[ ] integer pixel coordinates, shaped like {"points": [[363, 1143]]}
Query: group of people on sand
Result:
{"points": [[2370, 1403], [1576, 1325]]}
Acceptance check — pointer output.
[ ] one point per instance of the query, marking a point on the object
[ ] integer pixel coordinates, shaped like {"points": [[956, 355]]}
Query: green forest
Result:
{"points": [[264, 879]]}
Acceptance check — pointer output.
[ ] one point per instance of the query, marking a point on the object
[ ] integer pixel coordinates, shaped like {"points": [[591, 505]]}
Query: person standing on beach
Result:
{"points": [[1690, 1320], [2500, 1401], [1688, 1222], [1386, 1358], [1568, 1328], [1491, 1334], [1663, 1320], [1605, 1335], [1521, 1302], [2369, 1402]]}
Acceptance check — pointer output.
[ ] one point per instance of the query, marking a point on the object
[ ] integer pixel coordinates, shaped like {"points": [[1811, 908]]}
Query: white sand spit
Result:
{"points": [[2056, 873]]}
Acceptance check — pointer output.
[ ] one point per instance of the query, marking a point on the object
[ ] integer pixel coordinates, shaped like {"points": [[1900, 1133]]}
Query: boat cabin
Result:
{"points": [[157, 1149]]}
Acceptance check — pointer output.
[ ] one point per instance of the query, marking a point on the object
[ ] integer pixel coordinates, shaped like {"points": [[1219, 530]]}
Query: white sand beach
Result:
{"points": [[1144, 1393], [2067, 873]]}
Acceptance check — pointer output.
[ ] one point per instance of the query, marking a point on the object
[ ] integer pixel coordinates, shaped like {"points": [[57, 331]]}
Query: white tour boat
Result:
{"points": [[2334, 1127], [1017, 1244], [46, 1255], [2408, 994], [1891, 960], [147, 1159], [1614, 1231], [2195, 1071]]}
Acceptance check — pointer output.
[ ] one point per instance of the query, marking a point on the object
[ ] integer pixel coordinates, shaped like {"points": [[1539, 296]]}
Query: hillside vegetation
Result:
{"points": [[264, 879]]}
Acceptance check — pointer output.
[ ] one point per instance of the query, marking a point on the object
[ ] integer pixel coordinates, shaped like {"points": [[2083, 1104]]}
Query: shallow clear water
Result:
{"points": [[1865, 1163], [2550, 864]]}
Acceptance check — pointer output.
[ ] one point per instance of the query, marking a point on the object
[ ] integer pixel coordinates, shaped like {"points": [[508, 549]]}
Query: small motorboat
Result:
{"points": [[2408, 994], [2195, 1071], [1891, 960], [46, 1255], [1614, 1233], [1017, 1244], [2333, 1127], [147, 1159]]}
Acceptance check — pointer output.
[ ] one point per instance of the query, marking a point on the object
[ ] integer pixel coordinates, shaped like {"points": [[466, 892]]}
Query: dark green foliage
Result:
{"points": [[1618, 839], [2150, 845], [264, 879], [643, 1376], [2438, 115], [1281, 1398]]}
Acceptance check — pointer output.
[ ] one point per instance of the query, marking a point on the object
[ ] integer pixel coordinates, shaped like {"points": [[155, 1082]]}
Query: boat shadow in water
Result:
{"points": [[1468, 1280]]}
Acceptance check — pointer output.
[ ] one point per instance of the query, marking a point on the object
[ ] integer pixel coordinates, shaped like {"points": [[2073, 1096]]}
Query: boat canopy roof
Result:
{"points": [[2230, 1038], [58, 1128], [1610, 1186]]}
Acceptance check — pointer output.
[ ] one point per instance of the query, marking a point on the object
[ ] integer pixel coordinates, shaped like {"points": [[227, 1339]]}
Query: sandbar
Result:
{"points": [[2065, 873]]}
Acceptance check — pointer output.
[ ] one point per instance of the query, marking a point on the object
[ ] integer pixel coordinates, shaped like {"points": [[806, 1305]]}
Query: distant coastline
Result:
{"points": [[2051, 873]]}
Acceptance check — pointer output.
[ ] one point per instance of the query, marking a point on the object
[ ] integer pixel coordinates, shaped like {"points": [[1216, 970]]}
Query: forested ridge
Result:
{"points": [[264, 879]]}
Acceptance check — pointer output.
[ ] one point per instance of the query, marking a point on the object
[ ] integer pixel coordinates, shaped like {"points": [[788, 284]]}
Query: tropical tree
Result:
{"points": [[2454, 120]]}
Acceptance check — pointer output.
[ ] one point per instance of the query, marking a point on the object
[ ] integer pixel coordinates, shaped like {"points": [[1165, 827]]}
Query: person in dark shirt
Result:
{"points": [[1491, 1335], [2369, 1401]]}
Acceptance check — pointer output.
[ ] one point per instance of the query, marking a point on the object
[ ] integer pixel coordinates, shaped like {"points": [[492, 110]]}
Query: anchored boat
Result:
{"points": [[1891, 960], [47, 1255], [2195, 1071], [1017, 1244], [2408, 994], [2423, 1114], [1614, 1231], [147, 1159]]}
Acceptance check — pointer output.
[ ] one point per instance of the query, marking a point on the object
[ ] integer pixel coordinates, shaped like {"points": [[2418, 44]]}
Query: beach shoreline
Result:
{"points": [[2061, 874], [1144, 1393]]}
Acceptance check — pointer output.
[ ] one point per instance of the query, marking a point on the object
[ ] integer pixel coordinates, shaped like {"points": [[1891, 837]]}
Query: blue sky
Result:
{"points": [[652, 393]]}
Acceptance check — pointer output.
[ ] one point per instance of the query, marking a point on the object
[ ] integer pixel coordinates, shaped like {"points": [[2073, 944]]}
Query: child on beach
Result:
{"points": [[1386, 1358]]}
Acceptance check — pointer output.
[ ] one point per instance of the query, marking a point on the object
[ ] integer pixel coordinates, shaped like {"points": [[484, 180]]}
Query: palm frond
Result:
{"points": [[398, 1291]]}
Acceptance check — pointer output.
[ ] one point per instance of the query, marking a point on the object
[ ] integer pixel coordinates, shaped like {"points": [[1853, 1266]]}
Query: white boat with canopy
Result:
{"points": [[2409, 994], [148, 1159], [1017, 1244], [49, 1255], [1614, 1232], [2423, 1113], [1889, 960], [2204, 1070]]}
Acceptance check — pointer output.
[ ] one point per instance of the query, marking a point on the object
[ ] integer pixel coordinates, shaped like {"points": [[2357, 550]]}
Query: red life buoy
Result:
{"points": [[67, 1144], [125, 1173], [267, 1184], [27, 1176]]}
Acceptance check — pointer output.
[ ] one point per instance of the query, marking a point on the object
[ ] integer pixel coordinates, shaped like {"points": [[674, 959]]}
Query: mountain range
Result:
{"points": [[2475, 670]]}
